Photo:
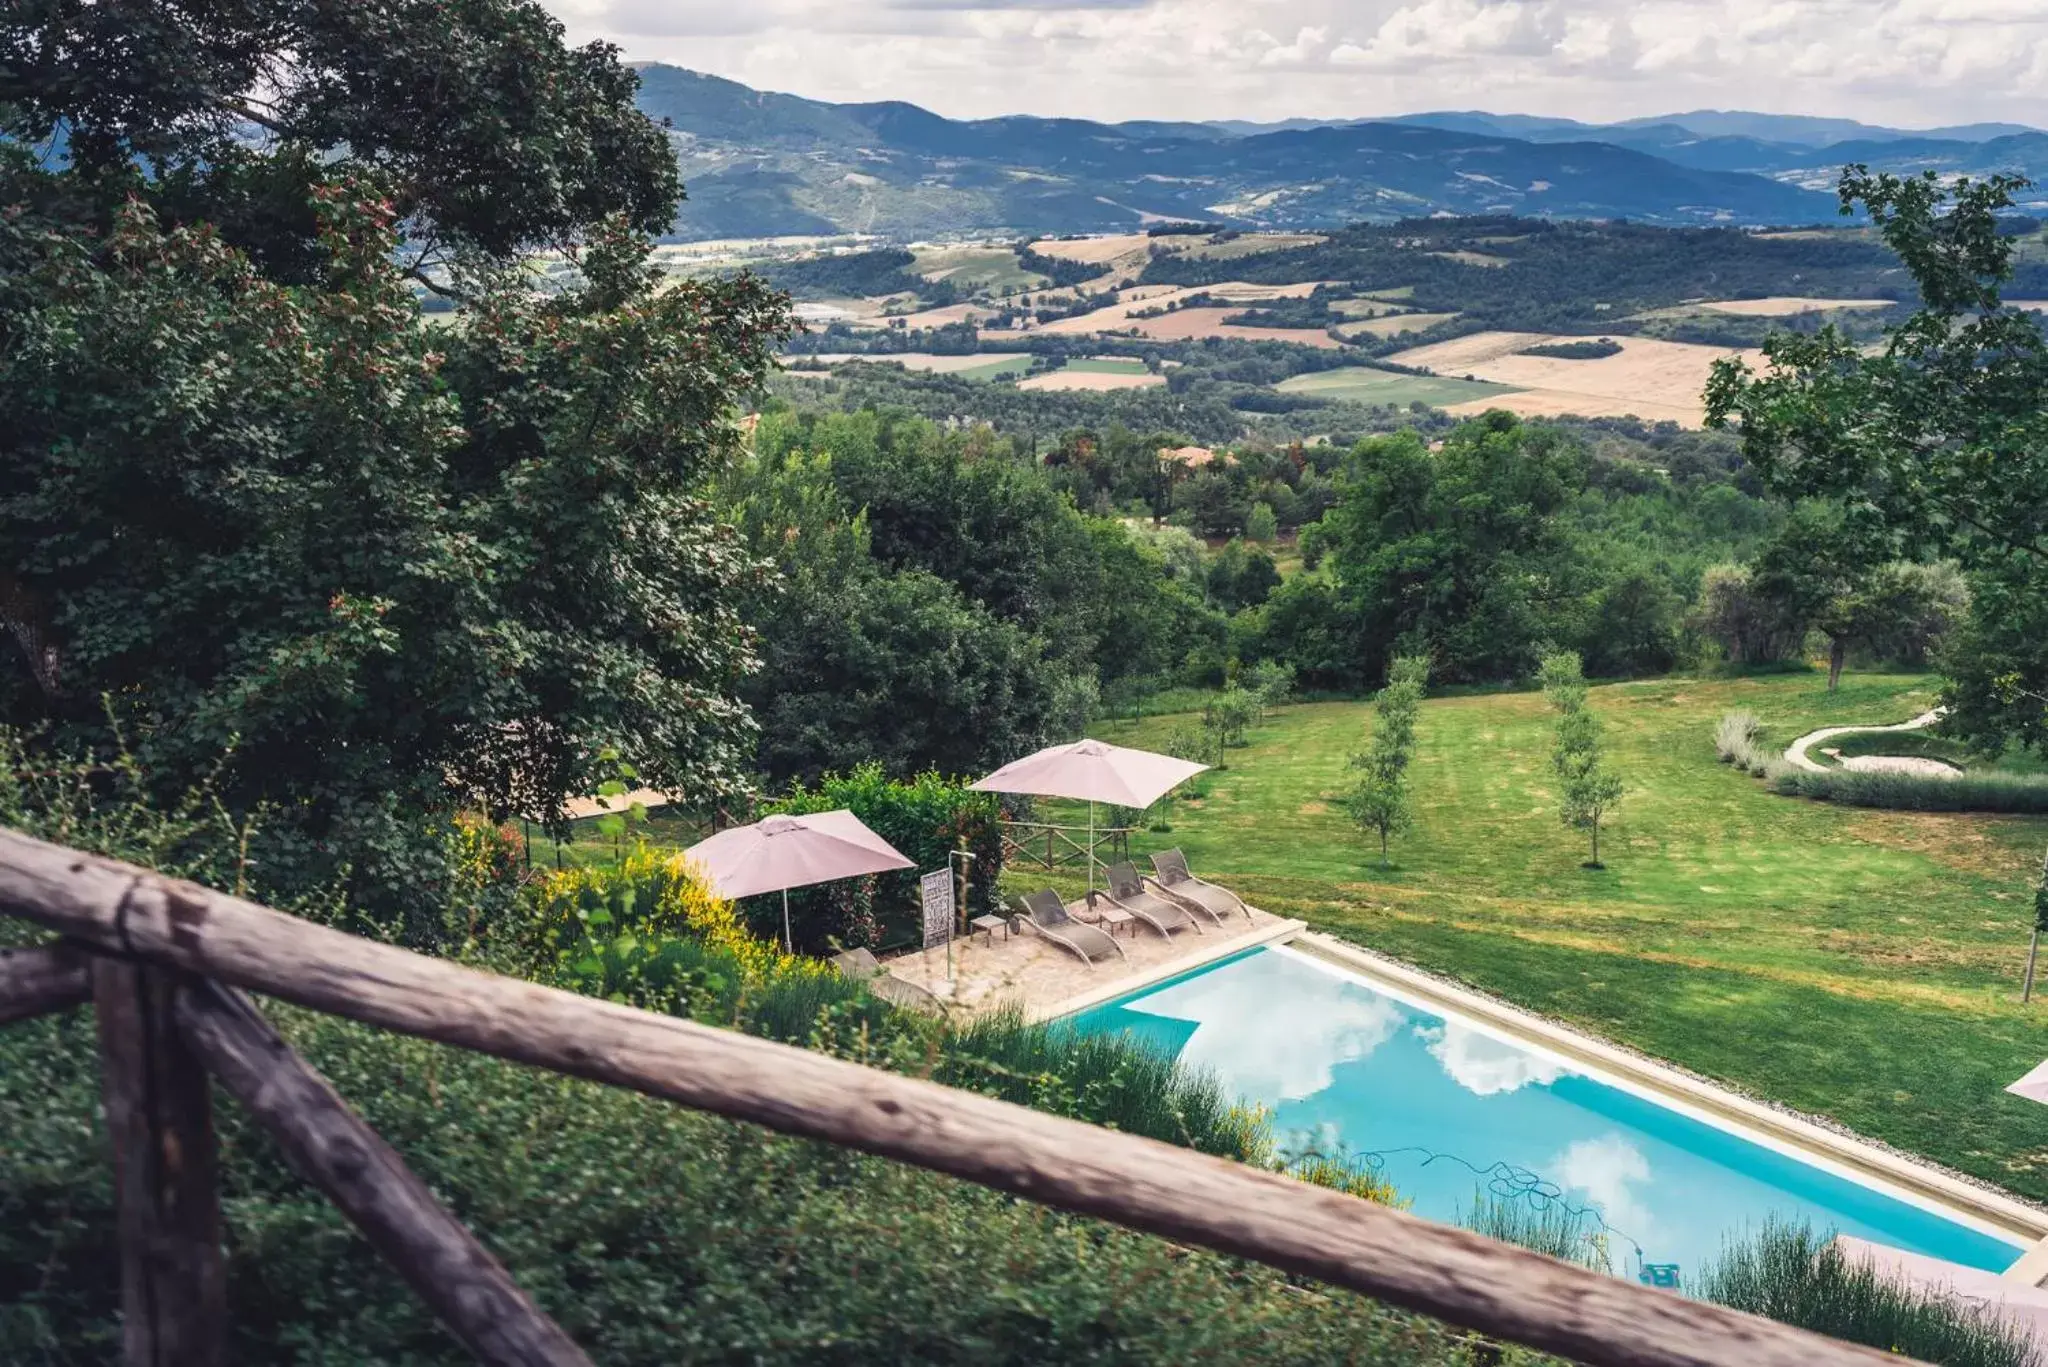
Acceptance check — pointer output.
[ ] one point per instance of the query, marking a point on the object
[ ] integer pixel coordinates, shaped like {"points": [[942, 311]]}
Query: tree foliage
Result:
{"points": [[1937, 445], [1587, 790], [1379, 802], [254, 508], [489, 133]]}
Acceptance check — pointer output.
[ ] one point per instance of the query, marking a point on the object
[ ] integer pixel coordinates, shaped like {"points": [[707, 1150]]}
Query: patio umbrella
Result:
{"points": [[2034, 1086], [1093, 771], [782, 852]]}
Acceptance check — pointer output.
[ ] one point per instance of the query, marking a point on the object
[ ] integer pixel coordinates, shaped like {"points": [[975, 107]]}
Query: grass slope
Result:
{"points": [[1363, 384], [1862, 965]]}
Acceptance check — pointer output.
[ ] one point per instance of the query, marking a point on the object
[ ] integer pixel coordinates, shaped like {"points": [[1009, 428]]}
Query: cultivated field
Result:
{"points": [[1249, 245], [1860, 964], [1081, 375], [976, 266], [1185, 324], [1363, 384], [1392, 324], [943, 317], [1654, 380], [1785, 306], [1106, 252]]}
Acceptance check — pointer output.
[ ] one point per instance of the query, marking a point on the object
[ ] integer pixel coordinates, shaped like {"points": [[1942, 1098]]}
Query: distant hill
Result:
{"points": [[761, 164]]}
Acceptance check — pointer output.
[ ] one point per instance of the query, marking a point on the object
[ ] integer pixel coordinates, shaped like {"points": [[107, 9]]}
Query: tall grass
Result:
{"points": [[1790, 1274], [1739, 740], [1567, 1233], [1108, 1080], [1975, 791]]}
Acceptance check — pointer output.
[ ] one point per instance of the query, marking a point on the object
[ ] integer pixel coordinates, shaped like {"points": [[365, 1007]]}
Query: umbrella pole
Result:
{"points": [[788, 945], [1091, 849]]}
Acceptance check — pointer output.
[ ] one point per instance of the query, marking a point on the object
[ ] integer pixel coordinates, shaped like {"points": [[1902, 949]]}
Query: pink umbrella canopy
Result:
{"points": [[1093, 771], [782, 852], [2034, 1086]]}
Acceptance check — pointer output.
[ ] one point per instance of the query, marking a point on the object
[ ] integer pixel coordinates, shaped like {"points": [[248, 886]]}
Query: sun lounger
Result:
{"points": [[1128, 892], [860, 965], [1048, 916], [1172, 876]]}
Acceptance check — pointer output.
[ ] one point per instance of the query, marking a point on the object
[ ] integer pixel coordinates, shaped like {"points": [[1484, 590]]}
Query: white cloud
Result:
{"points": [[1907, 62], [1607, 1170], [1323, 1019], [1486, 1066]]}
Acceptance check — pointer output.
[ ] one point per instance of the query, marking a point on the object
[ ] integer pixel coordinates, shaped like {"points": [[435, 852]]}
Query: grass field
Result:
{"points": [[1107, 365], [976, 267], [1857, 964], [1363, 384]]}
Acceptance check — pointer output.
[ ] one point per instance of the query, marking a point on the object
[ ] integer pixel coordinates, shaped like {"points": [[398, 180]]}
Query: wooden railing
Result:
{"points": [[1047, 845], [162, 961]]}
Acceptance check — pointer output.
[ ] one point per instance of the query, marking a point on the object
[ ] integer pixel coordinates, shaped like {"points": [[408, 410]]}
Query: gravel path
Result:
{"points": [[1796, 756]]}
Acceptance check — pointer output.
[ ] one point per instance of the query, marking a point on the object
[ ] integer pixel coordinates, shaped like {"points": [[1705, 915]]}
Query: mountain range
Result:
{"points": [[761, 164]]}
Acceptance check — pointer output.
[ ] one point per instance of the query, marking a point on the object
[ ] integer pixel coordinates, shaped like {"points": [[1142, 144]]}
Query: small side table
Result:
{"points": [[1109, 918], [989, 925]]}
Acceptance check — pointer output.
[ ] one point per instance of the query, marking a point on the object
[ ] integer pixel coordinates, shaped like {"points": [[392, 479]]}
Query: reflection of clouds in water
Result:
{"points": [[1276, 1047], [1604, 1169], [1483, 1065]]}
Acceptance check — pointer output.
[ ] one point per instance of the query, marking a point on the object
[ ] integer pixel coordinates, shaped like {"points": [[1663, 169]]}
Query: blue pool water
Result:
{"points": [[1347, 1069]]}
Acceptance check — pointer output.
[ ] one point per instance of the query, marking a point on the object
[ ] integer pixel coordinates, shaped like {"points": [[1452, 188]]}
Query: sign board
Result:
{"points": [[937, 892]]}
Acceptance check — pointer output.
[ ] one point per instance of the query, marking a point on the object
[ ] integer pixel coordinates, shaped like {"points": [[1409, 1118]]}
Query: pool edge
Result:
{"points": [[1257, 938], [2015, 1217]]}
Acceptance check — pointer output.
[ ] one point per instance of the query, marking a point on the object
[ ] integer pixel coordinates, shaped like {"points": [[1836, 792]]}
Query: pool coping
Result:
{"points": [[2007, 1213], [1273, 933]]}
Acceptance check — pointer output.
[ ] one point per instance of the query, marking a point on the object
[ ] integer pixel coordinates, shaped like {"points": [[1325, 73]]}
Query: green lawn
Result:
{"points": [[1019, 364], [1107, 365], [1861, 965], [1363, 384]]}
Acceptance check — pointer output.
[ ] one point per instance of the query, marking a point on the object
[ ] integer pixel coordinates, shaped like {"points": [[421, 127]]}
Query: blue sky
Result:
{"points": [[1915, 63]]}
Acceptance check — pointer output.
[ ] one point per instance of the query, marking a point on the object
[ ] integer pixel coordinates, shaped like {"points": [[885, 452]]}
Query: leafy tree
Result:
{"points": [[1462, 548], [387, 571], [1938, 443], [1230, 716], [1272, 682], [1242, 576], [862, 661], [1587, 790], [1380, 802], [1751, 628], [484, 131], [1262, 525]]}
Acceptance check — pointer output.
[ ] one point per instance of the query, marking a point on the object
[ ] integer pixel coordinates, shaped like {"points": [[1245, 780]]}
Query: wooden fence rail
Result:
{"points": [[1047, 845], [195, 938]]}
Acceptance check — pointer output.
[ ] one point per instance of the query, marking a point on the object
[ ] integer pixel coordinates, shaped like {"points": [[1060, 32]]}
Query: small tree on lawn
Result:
{"points": [[1587, 789], [1379, 801]]}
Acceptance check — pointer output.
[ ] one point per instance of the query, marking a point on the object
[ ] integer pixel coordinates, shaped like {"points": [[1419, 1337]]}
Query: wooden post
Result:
{"points": [[1454, 1274], [331, 1147], [46, 978], [160, 1118]]}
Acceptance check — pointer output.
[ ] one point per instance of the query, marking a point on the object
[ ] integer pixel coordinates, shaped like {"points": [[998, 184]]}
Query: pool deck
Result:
{"points": [[1045, 981]]}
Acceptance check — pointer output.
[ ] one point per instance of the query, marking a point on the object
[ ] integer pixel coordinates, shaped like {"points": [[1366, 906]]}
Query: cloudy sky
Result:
{"points": [[1912, 62]]}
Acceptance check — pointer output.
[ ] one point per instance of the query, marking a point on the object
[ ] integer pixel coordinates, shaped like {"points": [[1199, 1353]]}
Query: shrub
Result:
{"points": [[1588, 350], [1792, 1275], [1567, 1233], [1977, 791], [1738, 740], [926, 818], [653, 1234]]}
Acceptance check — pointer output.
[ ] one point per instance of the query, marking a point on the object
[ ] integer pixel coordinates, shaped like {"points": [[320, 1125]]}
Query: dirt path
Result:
{"points": [[1796, 756]]}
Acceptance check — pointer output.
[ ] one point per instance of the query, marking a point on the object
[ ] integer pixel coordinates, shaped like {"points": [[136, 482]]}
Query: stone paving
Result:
{"points": [[1031, 972]]}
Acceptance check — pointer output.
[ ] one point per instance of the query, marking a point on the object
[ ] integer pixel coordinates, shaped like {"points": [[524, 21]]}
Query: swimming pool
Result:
{"points": [[1445, 1107]]}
